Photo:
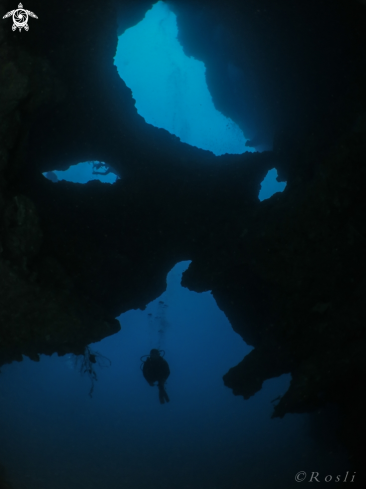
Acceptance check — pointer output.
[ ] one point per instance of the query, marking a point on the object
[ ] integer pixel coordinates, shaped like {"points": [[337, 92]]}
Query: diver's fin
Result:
{"points": [[163, 396]]}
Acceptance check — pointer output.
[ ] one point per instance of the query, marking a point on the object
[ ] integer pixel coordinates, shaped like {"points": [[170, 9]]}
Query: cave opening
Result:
{"points": [[170, 92], [84, 172], [89, 170], [270, 185], [122, 436], [170, 88]]}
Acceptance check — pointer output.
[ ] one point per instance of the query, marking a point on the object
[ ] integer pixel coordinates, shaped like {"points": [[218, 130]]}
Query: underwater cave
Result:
{"points": [[181, 184], [171, 93], [204, 437]]}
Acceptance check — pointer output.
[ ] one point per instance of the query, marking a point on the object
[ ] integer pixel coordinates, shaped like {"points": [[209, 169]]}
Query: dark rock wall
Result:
{"points": [[289, 272], [276, 65]]}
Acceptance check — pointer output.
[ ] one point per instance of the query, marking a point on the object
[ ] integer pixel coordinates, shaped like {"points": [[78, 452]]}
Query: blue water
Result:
{"points": [[81, 173], [170, 88], [171, 92], [54, 436], [270, 186]]}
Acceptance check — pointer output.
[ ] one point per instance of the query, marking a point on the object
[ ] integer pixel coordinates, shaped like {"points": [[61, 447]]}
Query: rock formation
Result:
{"points": [[288, 272]]}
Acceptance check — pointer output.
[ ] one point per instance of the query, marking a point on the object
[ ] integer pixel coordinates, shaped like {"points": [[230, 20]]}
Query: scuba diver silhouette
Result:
{"points": [[156, 369]]}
